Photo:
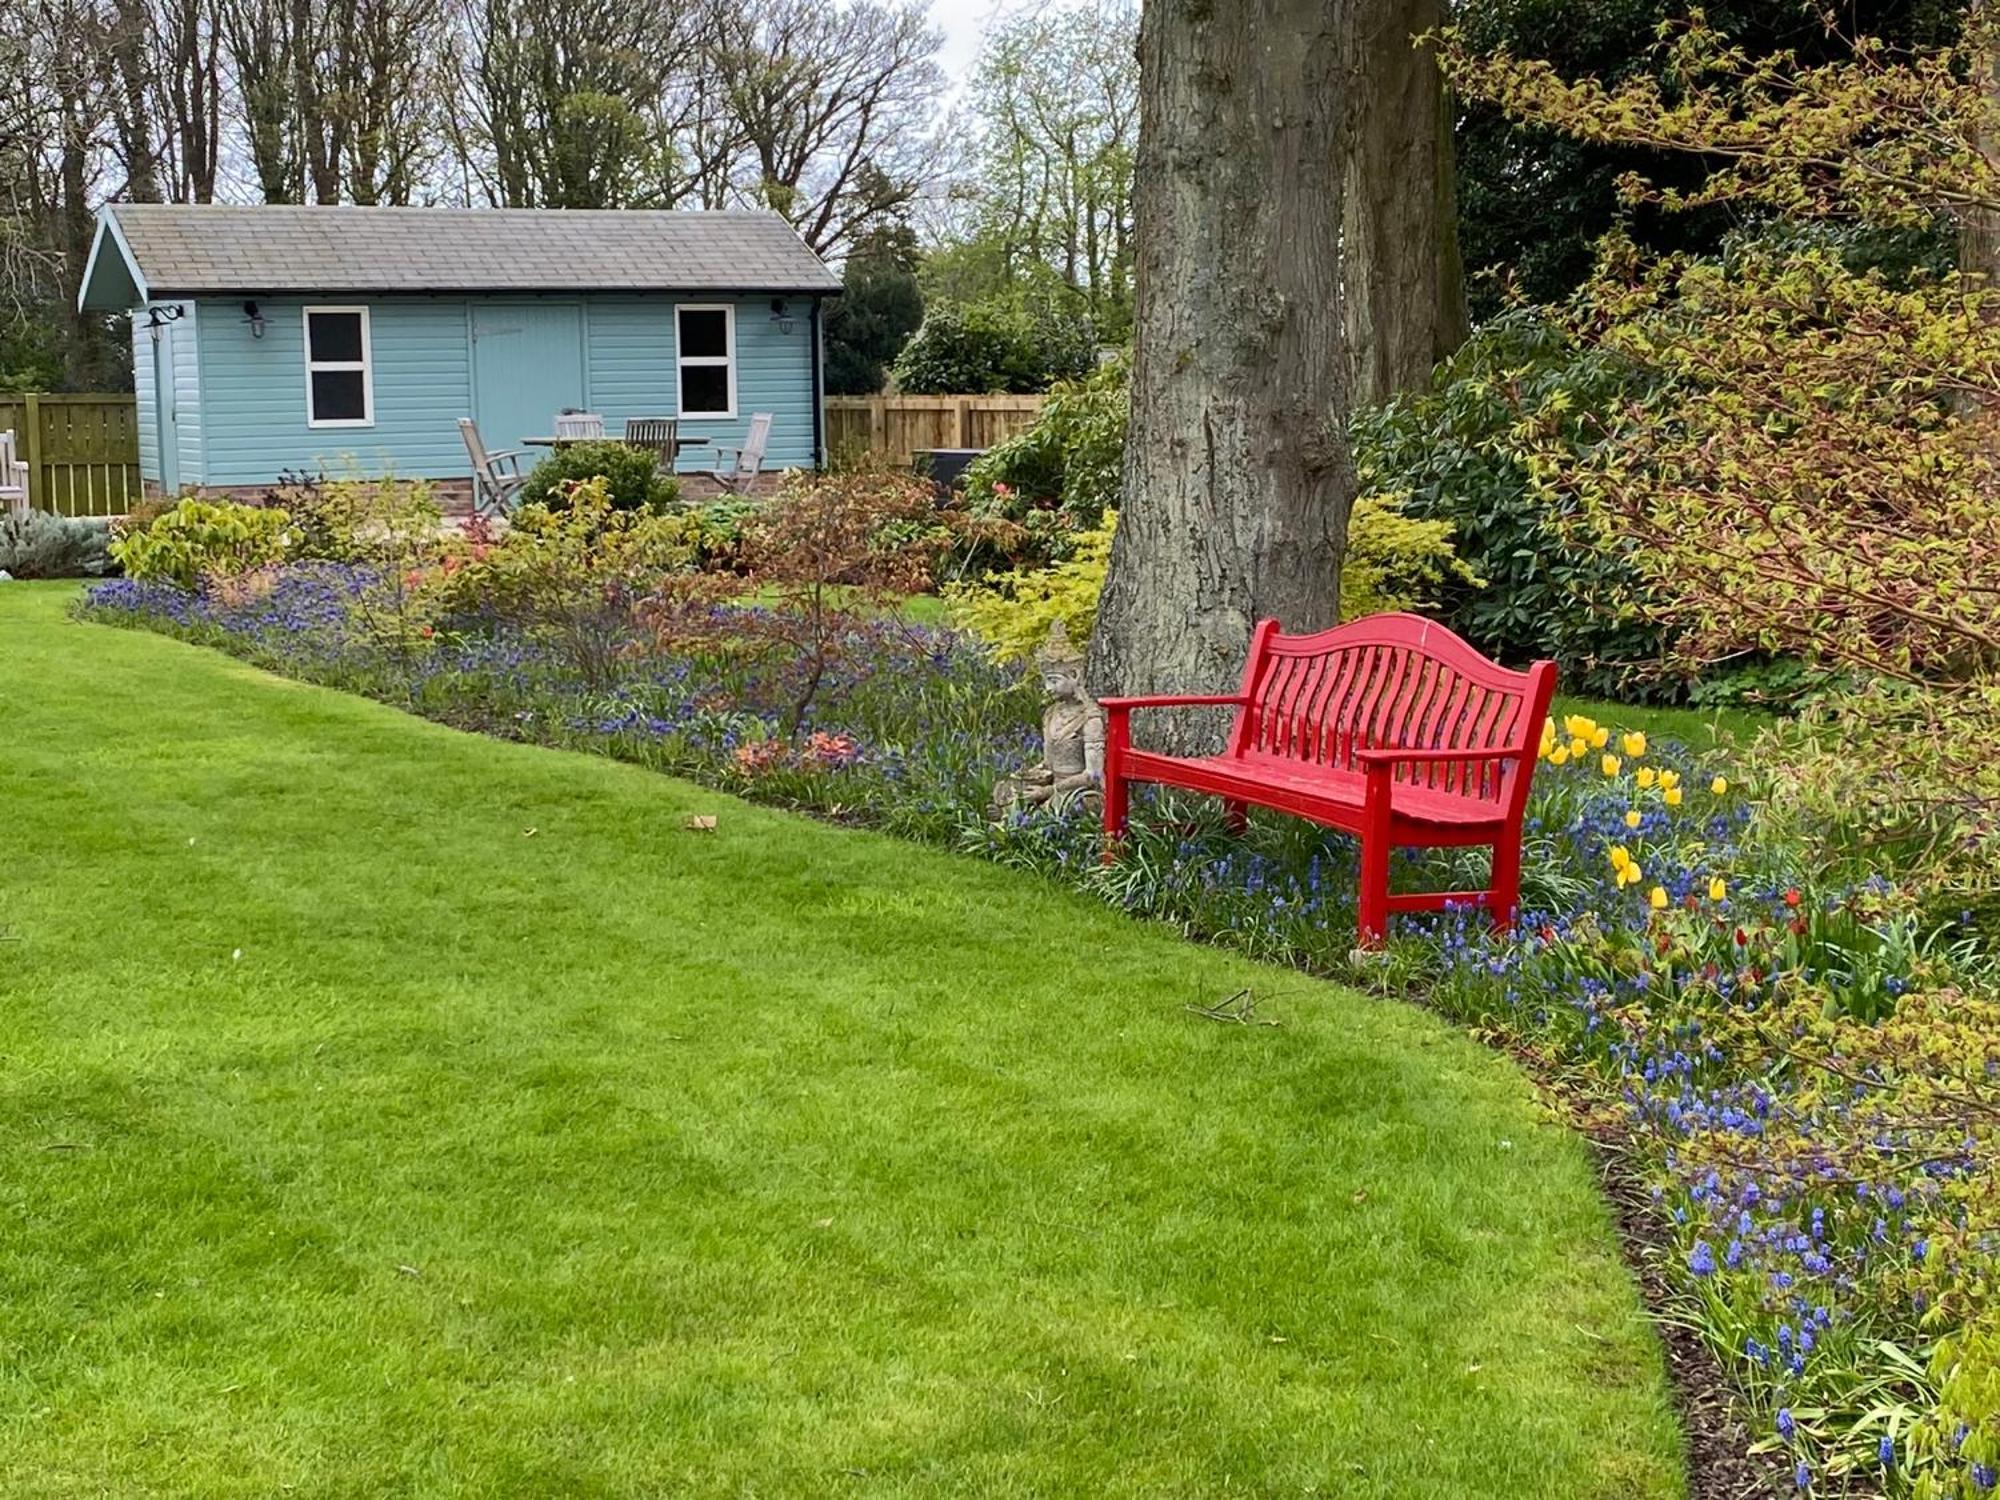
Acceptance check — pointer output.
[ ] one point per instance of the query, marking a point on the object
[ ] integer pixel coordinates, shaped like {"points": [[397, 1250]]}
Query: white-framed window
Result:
{"points": [[705, 353], [340, 376]]}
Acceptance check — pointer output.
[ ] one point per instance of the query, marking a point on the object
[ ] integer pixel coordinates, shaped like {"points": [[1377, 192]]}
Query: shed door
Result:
{"points": [[527, 365]]}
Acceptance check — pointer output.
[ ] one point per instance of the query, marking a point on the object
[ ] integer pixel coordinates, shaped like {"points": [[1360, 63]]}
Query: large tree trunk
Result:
{"points": [[1979, 226], [1405, 280], [1237, 473]]}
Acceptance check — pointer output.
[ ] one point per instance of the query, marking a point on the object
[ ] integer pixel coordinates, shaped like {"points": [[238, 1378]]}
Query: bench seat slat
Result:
{"points": [[1341, 794]]}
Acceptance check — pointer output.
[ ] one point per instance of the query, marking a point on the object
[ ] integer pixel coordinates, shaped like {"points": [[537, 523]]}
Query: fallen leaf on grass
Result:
{"points": [[701, 823]]}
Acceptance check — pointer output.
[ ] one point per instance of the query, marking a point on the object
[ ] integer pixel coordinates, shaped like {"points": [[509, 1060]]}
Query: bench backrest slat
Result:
{"points": [[1393, 681]]}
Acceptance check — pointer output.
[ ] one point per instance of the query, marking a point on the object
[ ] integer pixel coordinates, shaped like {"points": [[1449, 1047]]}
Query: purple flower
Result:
{"points": [[1786, 1426], [1701, 1260]]}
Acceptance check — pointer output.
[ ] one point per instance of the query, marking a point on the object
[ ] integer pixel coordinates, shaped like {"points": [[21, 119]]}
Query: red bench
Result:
{"points": [[1389, 727]]}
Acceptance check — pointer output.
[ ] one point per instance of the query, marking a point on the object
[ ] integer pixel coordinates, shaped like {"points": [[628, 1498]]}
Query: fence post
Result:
{"points": [[964, 423], [31, 452]]}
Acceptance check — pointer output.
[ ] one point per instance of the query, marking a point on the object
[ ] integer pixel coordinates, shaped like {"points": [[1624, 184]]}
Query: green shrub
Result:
{"points": [[352, 519], [1060, 476], [200, 539], [1394, 561], [713, 531], [571, 575], [1546, 593], [991, 346], [40, 545], [632, 477], [879, 307]]}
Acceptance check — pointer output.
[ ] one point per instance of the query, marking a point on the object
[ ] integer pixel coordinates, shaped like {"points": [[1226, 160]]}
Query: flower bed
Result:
{"points": [[1806, 1078]]}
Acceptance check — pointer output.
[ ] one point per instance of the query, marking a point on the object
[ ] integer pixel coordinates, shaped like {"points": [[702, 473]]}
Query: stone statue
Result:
{"points": [[1072, 735]]}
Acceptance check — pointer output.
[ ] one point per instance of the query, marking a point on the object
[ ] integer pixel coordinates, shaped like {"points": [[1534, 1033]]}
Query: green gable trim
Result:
{"points": [[111, 283]]}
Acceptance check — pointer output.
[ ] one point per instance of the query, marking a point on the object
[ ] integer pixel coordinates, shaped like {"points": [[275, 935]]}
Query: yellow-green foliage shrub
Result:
{"points": [[200, 539], [1394, 561], [1012, 612]]}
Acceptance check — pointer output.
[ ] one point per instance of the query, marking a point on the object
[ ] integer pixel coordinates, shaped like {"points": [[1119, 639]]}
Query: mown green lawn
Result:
{"points": [[388, 1111], [1697, 728]]}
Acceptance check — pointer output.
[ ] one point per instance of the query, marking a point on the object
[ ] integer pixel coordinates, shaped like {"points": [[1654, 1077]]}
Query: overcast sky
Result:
{"points": [[964, 22]]}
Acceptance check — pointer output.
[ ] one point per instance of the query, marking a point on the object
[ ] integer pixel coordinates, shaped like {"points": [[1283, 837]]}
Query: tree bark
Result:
{"points": [[1237, 472], [1405, 280], [1979, 228]]}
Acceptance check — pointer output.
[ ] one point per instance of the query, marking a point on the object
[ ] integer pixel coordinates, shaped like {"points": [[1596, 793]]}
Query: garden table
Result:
{"points": [[551, 441]]}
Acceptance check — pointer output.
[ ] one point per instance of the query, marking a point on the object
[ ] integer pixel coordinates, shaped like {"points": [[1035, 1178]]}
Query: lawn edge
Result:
{"points": [[1713, 1449]]}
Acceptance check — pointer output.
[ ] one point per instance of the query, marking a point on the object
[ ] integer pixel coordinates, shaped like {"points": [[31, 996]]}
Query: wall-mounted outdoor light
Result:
{"points": [[781, 314], [159, 317], [254, 316]]}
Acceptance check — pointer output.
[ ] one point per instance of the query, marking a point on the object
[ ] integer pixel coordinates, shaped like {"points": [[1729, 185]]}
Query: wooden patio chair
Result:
{"points": [[744, 462], [658, 436], [579, 427], [496, 477], [13, 476]]}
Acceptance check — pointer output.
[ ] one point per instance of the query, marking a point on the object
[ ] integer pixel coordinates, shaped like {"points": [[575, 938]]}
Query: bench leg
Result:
{"points": [[1238, 816], [1504, 899], [1374, 894], [1117, 807]]}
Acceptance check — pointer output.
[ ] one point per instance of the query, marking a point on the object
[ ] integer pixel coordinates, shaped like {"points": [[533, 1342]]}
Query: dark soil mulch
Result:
{"points": [[1720, 1464]]}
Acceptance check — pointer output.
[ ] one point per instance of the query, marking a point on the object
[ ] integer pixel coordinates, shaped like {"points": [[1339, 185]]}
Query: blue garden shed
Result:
{"points": [[277, 340]]}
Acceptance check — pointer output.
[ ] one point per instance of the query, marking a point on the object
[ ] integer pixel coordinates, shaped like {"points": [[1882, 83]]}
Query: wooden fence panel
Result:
{"points": [[895, 427], [82, 451]]}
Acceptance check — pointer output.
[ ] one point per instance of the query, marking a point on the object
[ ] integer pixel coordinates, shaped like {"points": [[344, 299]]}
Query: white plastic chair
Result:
{"points": [[744, 462]]}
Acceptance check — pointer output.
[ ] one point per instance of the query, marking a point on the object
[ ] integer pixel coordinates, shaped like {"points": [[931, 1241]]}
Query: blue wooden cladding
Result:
{"points": [[222, 395]]}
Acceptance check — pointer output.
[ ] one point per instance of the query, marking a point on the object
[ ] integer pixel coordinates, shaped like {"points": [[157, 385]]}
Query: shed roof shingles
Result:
{"points": [[183, 248]]}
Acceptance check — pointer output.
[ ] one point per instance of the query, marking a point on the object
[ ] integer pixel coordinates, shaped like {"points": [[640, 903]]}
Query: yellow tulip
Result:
{"points": [[1577, 727], [1718, 889], [1645, 776], [1632, 818], [1620, 856], [1670, 779], [1559, 755], [1630, 875], [1599, 738], [1719, 786], [1657, 898], [1548, 735], [1634, 743], [1579, 747], [1610, 765], [1671, 796]]}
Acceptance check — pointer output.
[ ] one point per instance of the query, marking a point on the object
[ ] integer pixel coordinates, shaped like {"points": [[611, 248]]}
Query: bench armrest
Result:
{"points": [[1170, 700], [1391, 757]]}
